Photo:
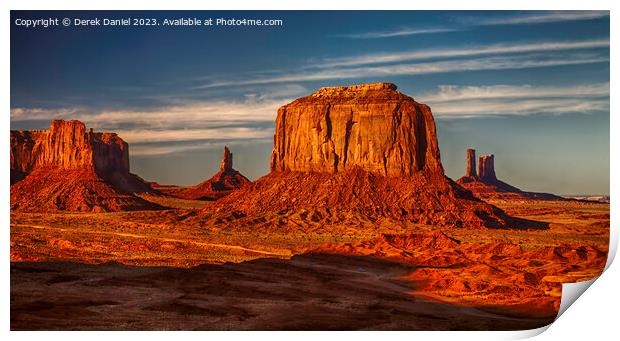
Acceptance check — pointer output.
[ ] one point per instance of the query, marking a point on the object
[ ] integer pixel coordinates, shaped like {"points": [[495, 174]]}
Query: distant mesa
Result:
{"points": [[485, 184], [226, 180], [69, 168], [366, 151]]}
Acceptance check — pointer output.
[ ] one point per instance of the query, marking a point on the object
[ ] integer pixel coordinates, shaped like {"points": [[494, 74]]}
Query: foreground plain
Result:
{"points": [[163, 270]]}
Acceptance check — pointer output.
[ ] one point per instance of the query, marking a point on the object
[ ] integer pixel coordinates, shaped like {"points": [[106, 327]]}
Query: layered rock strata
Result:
{"points": [[373, 127], [67, 145], [69, 168]]}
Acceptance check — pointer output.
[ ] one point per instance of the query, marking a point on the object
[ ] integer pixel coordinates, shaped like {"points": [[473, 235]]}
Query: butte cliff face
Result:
{"points": [[356, 154], [373, 127], [226, 180], [485, 184], [69, 168], [67, 145]]}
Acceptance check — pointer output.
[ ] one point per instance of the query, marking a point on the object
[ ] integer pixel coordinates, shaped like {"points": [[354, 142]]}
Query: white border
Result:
{"points": [[592, 317]]}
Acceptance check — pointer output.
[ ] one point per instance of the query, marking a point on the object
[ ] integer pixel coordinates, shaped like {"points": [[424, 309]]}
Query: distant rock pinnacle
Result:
{"points": [[471, 163], [227, 161], [219, 185]]}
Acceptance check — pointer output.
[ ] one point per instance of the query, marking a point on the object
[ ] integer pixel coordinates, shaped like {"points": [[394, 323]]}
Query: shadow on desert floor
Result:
{"points": [[306, 292]]}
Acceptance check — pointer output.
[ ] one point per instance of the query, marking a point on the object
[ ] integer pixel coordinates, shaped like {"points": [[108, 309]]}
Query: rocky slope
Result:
{"points": [[485, 184], [358, 150], [526, 281], [69, 168], [226, 180]]}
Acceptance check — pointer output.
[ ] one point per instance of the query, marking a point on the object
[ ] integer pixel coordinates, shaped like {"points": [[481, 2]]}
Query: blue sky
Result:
{"points": [[530, 87]]}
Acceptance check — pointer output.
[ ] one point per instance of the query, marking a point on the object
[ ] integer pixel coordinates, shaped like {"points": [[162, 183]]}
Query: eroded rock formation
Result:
{"points": [[370, 126], [227, 161], [221, 184], [355, 154], [84, 170], [485, 184], [67, 145], [471, 163], [486, 167]]}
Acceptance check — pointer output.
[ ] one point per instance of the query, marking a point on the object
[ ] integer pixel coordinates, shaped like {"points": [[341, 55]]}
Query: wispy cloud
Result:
{"points": [[440, 60], [179, 122], [465, 51], [188, 126], [207, 113], [476, 64], [181, 135], [146, 150], [448, 93], [471, 22], [540, 17], [501, 100], [396, 33]]}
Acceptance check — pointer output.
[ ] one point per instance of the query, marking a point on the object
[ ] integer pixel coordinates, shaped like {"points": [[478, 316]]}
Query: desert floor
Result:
{"points": [[159, 270]]}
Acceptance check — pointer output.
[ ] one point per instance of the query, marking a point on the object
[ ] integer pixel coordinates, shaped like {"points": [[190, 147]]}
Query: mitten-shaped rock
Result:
{"points": [[69, 168], [485, 184], [67, 145]]}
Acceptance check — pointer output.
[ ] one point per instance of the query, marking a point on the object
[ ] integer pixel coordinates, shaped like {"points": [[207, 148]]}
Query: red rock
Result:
{"points": [[364, 150], [227, 161], [485, 184], [67, 145], [471, 163], [60, 154], [486, 167], [221, 184], [370, 126]]}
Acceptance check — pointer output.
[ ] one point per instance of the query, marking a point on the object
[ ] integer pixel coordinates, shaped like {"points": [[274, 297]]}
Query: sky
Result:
{"points": [[530, 87]]}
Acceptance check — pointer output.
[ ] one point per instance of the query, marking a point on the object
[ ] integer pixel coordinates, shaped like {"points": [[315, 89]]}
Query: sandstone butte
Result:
{"points": [[364, 150], [485, 184], [226, 180], [69, 168]]}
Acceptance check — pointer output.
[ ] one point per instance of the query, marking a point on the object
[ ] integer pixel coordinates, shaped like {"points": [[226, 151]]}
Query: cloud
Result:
{"points": [[448, 93], [150, 150], [467, 51], [195, 114], [284, 91], [176, 123], [396, 33], [468, 23], [521, 108], [181, 135], [542, 17], [501, 100], [479, 64], [184, 127], [441, 60]]}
